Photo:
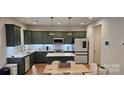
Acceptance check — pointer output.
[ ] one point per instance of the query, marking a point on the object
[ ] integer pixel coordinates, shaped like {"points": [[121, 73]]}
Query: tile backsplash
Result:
{"points": [[13, 50], [39, 47], [49, 47]]}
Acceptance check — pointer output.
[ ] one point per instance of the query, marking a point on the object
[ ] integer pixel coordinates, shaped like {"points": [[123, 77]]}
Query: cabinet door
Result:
{"points": [[20, 63], [9, 35], [68, 38], [47, 38], [21, 68], [17, 37], [79, 34], [58, 34], [12, 35], [36, 37], [27, 37], [40, 57]]}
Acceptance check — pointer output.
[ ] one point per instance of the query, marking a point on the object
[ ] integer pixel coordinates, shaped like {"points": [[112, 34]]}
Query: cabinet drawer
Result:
{"points": [[80, 59]]}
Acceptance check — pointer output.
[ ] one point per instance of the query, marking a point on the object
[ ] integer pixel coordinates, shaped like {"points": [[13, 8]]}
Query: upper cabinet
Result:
{"points": [[13, 37], [79, 34], [27, 37], [46, 37], [36, 37], [58, 34], [68, 39]]}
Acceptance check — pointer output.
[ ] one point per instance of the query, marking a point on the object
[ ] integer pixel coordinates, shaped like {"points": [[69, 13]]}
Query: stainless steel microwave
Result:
{"points": [[58, 40]]}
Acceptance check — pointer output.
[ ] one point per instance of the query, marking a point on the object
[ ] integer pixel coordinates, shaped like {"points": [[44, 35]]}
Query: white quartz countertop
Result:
{"points": [[26, 53], [20, 55], [60, 54]]}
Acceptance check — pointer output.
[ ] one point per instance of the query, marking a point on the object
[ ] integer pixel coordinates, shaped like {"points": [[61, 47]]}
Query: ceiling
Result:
{"points": [[56, 20]]}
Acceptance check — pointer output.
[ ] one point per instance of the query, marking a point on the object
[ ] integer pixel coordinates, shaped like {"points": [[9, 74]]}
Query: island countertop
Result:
{"points": [[60, 55]]}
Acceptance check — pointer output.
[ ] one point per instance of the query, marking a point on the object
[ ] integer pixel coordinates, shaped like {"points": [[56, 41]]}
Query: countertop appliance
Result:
{"points": [[81, 50]]}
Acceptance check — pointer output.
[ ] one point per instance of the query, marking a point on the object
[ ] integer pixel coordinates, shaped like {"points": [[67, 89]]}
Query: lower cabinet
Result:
{"points": [[20, 62], [40, 57], [23, 64]]}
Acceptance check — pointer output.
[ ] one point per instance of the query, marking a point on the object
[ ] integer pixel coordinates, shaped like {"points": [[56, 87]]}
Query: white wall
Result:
{"points": [[57, 28], [3, 37], [112, 31]]}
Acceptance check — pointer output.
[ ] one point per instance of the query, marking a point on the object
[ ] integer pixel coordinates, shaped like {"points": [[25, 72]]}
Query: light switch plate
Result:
{"points": [[106, 42]]}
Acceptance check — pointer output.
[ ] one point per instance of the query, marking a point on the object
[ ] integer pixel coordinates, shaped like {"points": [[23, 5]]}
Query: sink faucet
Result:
{"points": [[22, 48]]}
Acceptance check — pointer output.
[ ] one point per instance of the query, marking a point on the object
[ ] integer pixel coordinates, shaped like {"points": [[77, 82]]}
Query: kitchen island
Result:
{"points": [[63, 57]]}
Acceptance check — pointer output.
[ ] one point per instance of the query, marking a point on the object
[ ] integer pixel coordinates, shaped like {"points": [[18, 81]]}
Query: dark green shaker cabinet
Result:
{"points": [[79, 34], [58, 34], [36, 37], [13, 37], [27, 37], [47, 38], [20, 64], [40, 57], [68, 38]]}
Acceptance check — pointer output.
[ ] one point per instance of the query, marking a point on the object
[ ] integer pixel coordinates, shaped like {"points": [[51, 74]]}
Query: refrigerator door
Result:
{"points": [[81, 44]]}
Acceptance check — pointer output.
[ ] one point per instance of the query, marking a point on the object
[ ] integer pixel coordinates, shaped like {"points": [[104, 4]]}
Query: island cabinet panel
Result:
{"points": [[13, 37], [40, 57], [61, 59], [27, 37], [36, 37]]}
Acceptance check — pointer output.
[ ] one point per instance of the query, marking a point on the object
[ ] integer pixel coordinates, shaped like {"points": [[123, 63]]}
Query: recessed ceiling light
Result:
{"points": [[90, 17], [58, 23], [34, 22], [82, 23]]}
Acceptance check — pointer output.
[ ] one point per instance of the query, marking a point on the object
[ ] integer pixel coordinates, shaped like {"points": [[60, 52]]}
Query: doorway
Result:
{"points": [[97, 44]]}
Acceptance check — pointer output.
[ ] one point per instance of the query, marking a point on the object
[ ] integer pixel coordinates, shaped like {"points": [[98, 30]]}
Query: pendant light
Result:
{"points": [[69, 18], [51, 33], [69, 26]]}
